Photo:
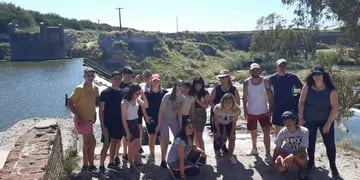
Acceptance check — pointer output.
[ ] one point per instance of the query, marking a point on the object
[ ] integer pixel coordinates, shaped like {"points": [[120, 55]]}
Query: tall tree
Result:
{"points": [[346, 12]]}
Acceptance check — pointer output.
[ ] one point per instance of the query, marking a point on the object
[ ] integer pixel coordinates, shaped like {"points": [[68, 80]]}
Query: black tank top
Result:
{"points": [[220, 93]]}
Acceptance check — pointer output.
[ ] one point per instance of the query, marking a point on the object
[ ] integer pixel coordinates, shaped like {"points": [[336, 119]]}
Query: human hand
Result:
{"points": [[157, 129], [182, 177], [301, 122], [147, 119], [128, 137], [326, 127]]}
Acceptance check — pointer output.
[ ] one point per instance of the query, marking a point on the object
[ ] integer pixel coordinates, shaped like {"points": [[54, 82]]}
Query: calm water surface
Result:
{"points": [[36, 89]]}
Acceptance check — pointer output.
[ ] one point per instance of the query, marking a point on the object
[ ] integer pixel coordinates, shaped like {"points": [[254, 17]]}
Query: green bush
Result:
{"points": [[70, 163]]}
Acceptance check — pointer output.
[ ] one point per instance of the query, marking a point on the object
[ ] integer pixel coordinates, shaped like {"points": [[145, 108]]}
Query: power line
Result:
{"points": [[119, 17]]}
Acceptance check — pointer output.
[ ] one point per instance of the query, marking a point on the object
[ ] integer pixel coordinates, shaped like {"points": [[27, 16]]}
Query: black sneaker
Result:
{"points": [[84, 168], [93, 170], [163, 164], [302, 175], [335, 174], [117, 161], [102, 169], [141, 151], [125, 158], [224, 149], [113, 167]]}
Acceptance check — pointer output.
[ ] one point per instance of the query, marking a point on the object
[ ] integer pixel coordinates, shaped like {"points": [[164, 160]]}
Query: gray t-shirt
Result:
{"points": [[173, 153], [291, 142], [172, 107]]}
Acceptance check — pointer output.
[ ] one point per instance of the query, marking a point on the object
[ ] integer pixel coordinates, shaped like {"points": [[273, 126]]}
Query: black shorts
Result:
{"points": [[139, 120], [116, 130], [134, 129], [225, 130], [151, 126]]}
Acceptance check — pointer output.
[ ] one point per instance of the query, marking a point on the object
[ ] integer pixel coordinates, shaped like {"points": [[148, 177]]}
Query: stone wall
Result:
{"points": [[48, 44], [38, 154]]}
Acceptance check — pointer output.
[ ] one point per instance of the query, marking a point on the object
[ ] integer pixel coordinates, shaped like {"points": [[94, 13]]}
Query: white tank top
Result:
{"points": [[132, 111], [257, 98]]}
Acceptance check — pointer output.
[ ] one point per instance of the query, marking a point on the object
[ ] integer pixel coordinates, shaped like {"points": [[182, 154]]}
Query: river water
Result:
{"points": [[37, 89]]}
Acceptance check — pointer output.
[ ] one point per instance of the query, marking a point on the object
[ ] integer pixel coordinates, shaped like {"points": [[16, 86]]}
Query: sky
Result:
{"points": [[160, 15]]}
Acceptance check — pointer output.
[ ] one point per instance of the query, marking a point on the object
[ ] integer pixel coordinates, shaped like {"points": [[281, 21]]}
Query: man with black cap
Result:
{"points": [[283, 84], [291, 144]]}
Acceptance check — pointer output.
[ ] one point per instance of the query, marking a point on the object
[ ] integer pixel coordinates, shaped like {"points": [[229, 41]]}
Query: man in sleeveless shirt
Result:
{"points": [[257, 102]]}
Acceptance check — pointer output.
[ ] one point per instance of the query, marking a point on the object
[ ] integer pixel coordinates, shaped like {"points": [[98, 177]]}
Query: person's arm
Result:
{"points": [[216, 122], [161, 114], [212, 97], [192, 111], [334, 103], [301, 107], [124, 107], [101, 116], [71, 105], [269, 95], [181, 156], [142, 100], [237, 97], [278, 142], [245, 95]]}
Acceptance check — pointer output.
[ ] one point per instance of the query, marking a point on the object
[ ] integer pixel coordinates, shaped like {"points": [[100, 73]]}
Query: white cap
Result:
{"points": [[254, 66], [280, 61]]}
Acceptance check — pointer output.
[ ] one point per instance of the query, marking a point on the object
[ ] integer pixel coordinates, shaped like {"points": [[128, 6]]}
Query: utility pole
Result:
{"points": [[119, 17], [177, 25]]}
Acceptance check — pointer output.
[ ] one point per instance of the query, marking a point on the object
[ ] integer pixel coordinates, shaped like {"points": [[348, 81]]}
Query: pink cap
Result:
{"points": [[155, 77]]}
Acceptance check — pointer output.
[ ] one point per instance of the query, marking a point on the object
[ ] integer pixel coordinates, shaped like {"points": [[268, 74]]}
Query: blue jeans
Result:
{"points": [[329, 141]]}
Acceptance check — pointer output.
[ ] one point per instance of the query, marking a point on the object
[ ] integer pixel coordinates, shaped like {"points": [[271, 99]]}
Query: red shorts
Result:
{"points": [[84, 128], [264, 120]]}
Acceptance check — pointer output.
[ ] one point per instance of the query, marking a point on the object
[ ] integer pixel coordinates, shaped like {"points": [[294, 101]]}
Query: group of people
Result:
{"points": [[270, 101]]}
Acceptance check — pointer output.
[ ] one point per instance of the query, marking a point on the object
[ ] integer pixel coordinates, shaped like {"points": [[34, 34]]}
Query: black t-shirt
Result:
{"points": [[154, 100], [112, 109]]}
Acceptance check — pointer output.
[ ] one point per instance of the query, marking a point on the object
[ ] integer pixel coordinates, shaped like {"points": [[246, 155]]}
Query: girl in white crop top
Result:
{"points": [[129, 116]]}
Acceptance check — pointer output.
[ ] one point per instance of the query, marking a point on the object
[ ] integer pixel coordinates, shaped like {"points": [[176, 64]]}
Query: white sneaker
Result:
{"points": [[253, 152], [233, 160], [268, 158]]}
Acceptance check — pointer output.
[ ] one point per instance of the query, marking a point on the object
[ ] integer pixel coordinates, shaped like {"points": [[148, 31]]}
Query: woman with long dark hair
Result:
{"points": [[201, 104], [318, 106], [183, 155], [129, 109]]}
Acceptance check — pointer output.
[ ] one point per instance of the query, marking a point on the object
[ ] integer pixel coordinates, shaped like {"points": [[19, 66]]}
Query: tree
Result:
{"points": [[346, 12]]}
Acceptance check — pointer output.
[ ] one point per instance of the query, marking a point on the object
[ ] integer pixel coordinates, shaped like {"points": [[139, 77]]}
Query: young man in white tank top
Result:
{"points": [[257, 102]]}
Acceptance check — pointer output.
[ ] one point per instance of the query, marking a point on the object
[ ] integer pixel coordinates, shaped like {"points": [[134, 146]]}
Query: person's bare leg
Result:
{"points": [[266, 131], [92, 146], [103, 153], [164, 142], [231, 146], [85, 151], [199, 138], [114, 145], [152, 144], [253, 134]]}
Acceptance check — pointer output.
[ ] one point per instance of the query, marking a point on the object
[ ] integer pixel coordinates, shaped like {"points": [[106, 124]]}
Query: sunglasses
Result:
{"points": [[90, 75]]}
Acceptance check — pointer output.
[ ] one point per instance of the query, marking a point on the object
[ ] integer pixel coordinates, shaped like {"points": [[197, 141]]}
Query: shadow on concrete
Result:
{"points": [[230, 171]]}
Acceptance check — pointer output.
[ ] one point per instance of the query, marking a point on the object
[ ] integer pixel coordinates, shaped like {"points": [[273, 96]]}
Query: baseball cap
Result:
{"points": [[288, 115], [89, 69], [317, 70], [280, 61], [114, 73], [254, 66], [180, 82], [155, 77], [127, 70]]}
